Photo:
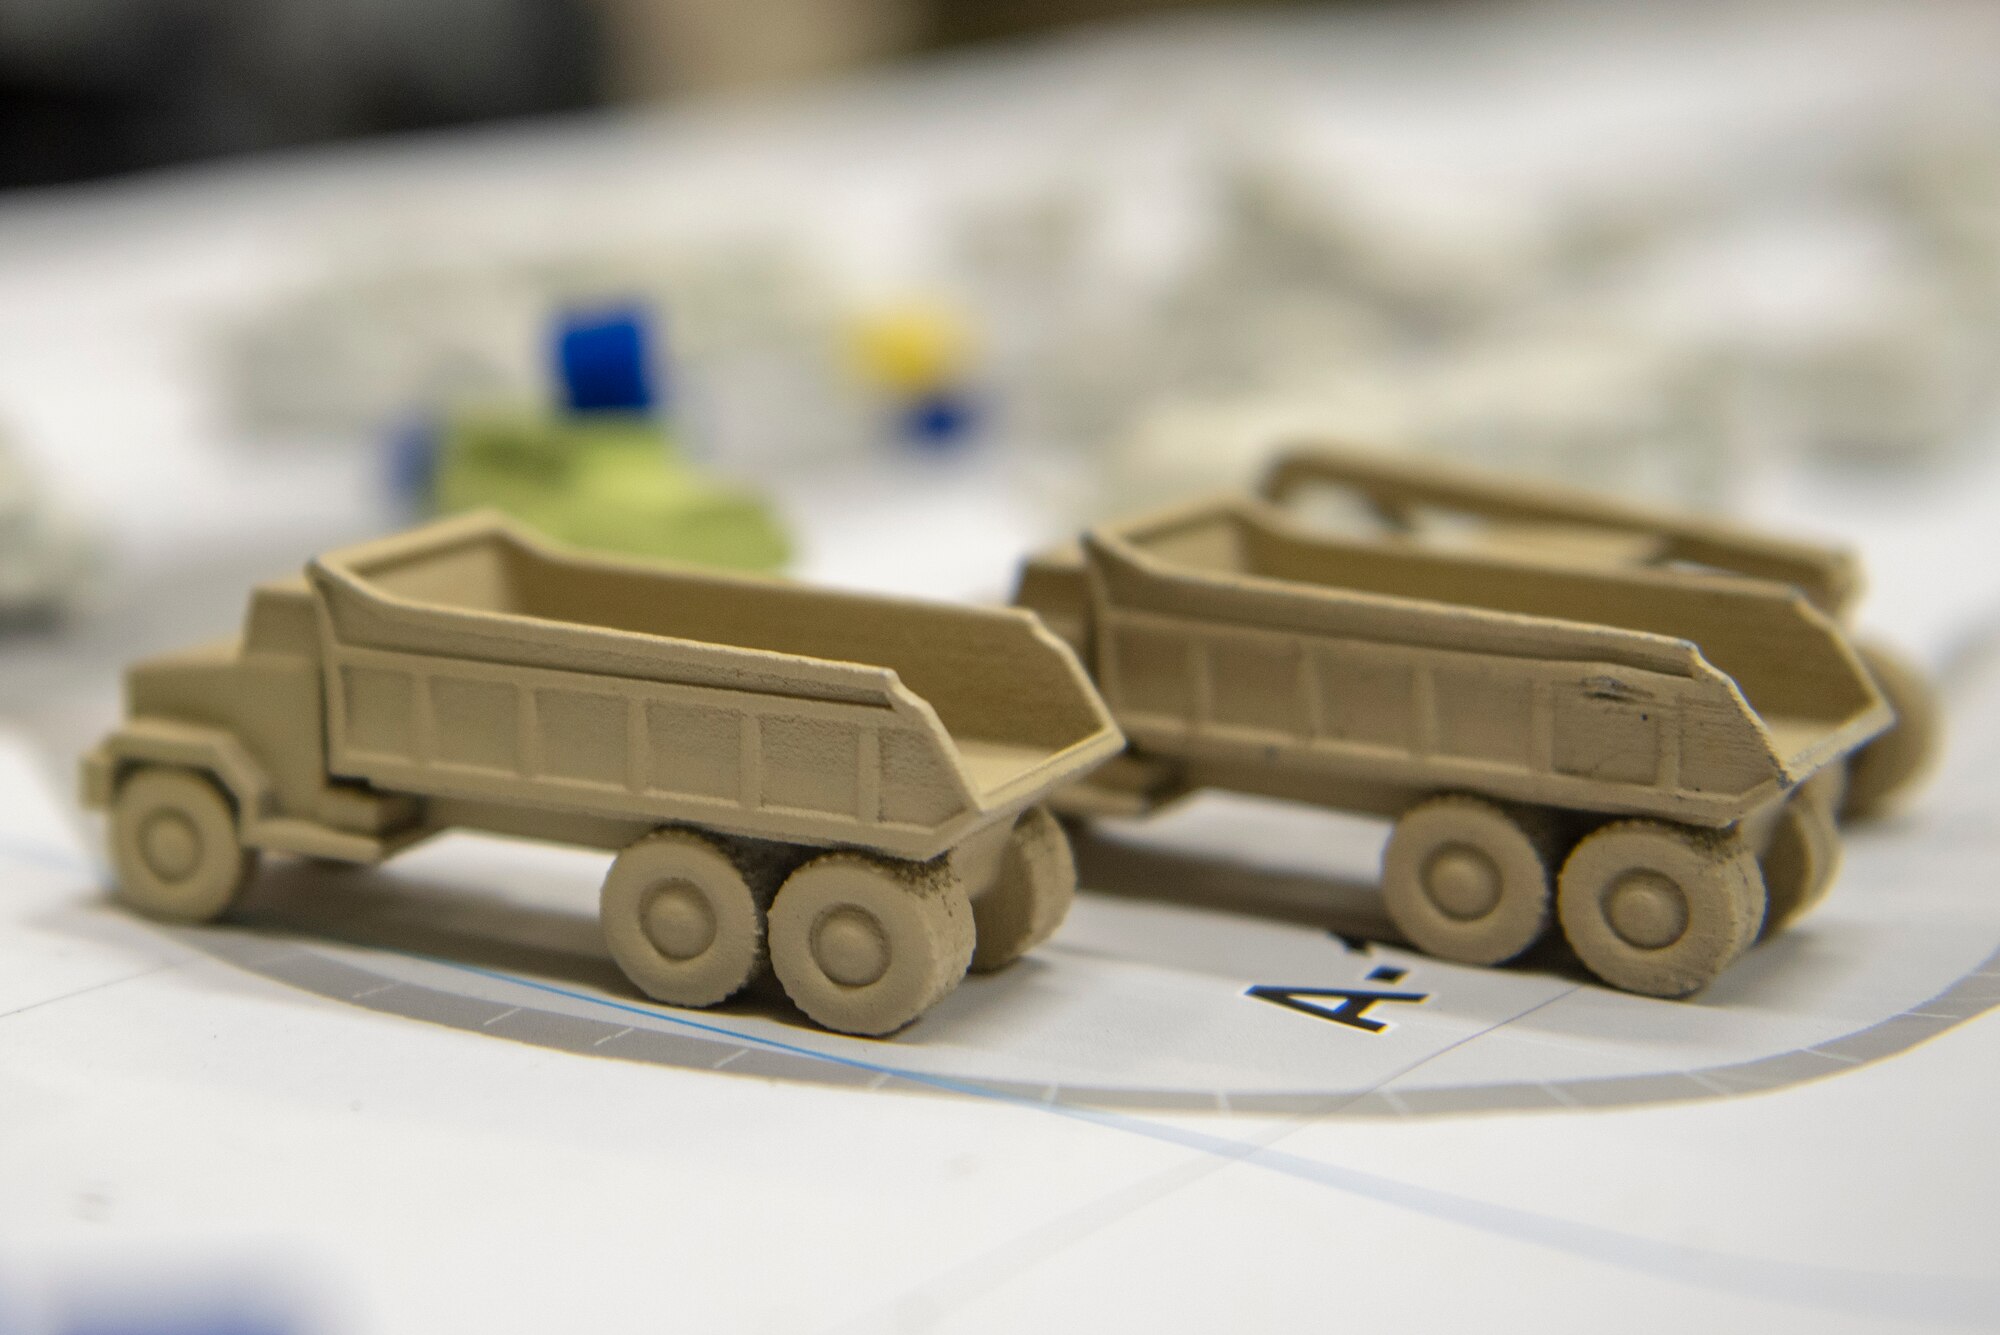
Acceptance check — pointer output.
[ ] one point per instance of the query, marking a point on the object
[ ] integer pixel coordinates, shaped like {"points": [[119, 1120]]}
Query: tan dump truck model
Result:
{"points": [[1650, 756], [1455, 506], [848, 786]]}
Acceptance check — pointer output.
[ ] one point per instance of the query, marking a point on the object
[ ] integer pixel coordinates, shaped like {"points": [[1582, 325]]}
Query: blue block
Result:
{"points": [[603, 358], [941, 420], [412, 462]]}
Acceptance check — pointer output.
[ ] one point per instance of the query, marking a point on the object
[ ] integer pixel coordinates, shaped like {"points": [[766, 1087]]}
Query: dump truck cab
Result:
{"points": [[250, 710]]}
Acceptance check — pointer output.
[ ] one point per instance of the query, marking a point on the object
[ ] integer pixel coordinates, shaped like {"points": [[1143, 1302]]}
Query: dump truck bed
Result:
{"points": [[470, 660], [1298, 662]]}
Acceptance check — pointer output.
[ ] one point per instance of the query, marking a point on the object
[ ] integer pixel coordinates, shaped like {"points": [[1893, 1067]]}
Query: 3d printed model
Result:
{"points": [[847, 786], [611, 482], [919, 355], [1652, 756], [604, 473]]}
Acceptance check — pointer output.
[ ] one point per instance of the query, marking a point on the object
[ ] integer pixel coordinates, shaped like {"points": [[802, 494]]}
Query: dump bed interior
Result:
{"points": [[1786, 658], [1009, 697]]}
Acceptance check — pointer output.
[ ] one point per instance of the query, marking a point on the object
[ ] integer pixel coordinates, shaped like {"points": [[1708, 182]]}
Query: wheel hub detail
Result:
{"points": [[1647, 910], [171, 845], [679, 921], [1463, 881], [850, 947]]}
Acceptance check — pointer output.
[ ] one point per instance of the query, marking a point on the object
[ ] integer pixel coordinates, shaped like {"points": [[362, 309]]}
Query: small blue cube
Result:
{"points": [[604, 360]]}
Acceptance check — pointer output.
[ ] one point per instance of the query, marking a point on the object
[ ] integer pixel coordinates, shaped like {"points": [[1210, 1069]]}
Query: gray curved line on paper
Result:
{"points": [[662, 1036]]}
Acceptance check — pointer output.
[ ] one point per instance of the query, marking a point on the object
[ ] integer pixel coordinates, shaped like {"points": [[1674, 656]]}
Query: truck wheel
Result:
{"points": [[681, 919], [175, 846], [1030, 896], [1658, 908], [1464, 879], [1800, 861], [1890, 765], [864, 946]]}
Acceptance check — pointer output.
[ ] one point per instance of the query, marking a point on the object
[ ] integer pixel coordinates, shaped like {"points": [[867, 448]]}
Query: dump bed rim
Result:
{"points": [[342, 567], [340, 570], [1121, 542]]}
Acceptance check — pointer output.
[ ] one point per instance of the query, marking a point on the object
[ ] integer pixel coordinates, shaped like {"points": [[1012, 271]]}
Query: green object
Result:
{"points": [[611, 482]]}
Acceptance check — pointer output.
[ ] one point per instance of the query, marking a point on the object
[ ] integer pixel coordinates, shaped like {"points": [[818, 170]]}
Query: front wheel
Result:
{"points": [[1658, 908], [864, 945], [175, 846]]}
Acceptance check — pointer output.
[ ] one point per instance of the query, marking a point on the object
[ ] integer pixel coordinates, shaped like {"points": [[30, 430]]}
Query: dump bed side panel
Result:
{"points": [[468, 660], [1014, 704], [1389, 708], [1786, 657], [811, 771]]}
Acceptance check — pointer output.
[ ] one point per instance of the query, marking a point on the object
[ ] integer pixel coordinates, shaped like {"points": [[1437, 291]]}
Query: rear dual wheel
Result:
{"points": [[1802, 854], [1648, 906], [864, 945], [681, 918], [1030, 895], [1469, 880], [1887, 768], [1658, 908]]}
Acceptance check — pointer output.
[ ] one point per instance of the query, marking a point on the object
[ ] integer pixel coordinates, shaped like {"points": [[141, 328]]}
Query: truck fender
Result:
{"points": [[214, 751]]}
